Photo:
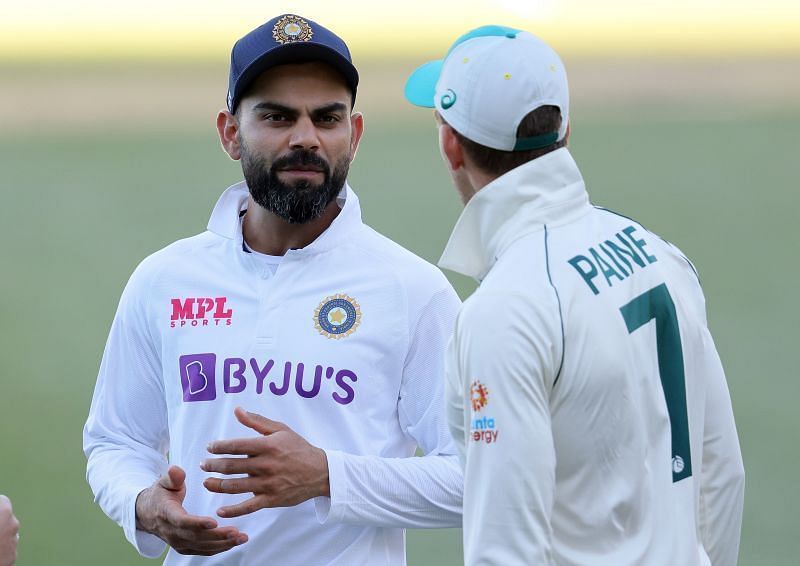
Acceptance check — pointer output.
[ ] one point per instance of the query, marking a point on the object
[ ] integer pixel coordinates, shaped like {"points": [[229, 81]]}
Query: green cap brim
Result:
{"points": [[421, 85]]}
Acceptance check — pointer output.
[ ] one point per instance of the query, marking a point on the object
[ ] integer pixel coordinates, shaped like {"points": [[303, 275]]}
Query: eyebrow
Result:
{"points": [[294, 112]]}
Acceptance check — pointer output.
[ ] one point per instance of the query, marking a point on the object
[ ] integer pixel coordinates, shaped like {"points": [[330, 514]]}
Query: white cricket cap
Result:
{"points": [[490, 79]]}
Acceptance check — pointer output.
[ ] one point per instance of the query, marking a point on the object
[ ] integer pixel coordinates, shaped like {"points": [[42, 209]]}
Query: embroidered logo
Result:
{"points": [[479, 395], [292, 28], [482, 429], [337, 316], [448, 99], [200, 311]]}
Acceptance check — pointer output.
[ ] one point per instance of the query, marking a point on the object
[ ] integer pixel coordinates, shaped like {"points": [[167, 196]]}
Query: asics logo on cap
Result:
{"points": [[448, 99]]}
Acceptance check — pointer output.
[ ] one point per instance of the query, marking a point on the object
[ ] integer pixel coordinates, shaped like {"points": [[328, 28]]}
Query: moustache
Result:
{"points": [[303, 160]]}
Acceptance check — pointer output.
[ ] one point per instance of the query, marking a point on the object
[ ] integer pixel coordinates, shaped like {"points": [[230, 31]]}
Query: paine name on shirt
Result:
{"points": [[616, 259]]}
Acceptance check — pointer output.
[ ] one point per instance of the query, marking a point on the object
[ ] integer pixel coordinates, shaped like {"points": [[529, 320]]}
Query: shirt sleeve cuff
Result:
{"points": [[331, 509], [146, 544]]}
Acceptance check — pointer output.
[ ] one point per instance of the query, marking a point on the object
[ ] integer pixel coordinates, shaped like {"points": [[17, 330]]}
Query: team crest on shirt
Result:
{"points": [[337, 316], [292, 28]]}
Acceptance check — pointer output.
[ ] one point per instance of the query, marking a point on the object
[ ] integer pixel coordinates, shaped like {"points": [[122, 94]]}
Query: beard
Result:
{"points": [[298, 202]]}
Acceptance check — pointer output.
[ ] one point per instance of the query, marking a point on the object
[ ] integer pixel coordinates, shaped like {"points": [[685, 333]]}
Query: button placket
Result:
{"points": [[267, 306]]}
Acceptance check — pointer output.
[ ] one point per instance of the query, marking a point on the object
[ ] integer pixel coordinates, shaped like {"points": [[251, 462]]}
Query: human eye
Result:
{"points": [[329, 119], [275, 117]]}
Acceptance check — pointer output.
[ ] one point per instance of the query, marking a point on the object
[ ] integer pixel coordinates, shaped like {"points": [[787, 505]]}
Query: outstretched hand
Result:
{"points": [[282, 468], [159, 510]]}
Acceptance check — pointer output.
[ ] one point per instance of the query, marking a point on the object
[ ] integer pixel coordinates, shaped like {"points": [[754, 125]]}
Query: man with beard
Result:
{"points": [[330, 335]]}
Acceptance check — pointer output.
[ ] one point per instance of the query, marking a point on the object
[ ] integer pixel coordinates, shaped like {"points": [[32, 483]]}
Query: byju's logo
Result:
{"points": [[197, 377], [200, 311], [237, 375]]}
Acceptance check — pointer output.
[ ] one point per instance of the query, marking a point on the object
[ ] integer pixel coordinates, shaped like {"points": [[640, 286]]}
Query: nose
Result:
{"points": [[304, 135]]}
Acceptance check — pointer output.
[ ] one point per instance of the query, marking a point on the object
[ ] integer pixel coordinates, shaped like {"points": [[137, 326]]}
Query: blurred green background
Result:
{"points": [[105, 161]]}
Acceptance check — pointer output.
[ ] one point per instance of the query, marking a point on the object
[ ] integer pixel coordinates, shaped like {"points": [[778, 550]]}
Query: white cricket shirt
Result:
{"points": [[584, 389], [344, 343]]}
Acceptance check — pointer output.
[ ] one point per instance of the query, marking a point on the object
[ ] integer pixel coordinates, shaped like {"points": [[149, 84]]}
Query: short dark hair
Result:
{"points": [[543, 120]]}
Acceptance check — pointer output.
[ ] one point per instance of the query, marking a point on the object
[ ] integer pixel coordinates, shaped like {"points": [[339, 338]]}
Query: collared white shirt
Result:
{"points": [[584, 390], [343, 342]]}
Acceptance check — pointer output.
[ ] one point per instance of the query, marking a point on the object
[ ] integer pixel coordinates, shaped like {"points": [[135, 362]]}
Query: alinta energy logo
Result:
{"points": [[204, 378], [482, 429], [200, 311]]}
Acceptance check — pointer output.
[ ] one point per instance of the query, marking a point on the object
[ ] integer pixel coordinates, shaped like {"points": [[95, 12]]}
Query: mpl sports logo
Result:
{"points": [[482, 429], [200, 311]]}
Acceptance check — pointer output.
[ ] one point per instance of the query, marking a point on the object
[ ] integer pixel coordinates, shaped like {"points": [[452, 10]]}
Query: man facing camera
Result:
{"points": [[328, 334]]}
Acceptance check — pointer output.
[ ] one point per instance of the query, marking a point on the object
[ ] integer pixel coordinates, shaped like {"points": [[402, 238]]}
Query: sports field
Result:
{"points": [[98, 169]]}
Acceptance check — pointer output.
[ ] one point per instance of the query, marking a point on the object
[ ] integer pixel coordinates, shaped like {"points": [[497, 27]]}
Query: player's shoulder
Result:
{"points": [[409, 269], [518, 285], [523, 266], [172, 257], [671, 254]]}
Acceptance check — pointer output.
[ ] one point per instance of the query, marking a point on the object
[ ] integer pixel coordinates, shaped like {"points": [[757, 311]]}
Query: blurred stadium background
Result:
{"points": [[685, 115]]}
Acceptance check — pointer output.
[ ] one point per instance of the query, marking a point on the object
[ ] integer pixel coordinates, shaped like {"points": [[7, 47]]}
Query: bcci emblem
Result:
{"points": [[292, 28], [337, 316], [479, 395]]}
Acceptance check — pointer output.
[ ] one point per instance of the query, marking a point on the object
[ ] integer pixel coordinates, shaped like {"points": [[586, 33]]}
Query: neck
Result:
{"points": [[470, 181], [268, 233]]}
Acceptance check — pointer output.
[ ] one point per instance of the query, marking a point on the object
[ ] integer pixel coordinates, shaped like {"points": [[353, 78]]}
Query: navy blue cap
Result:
{"points": [[286, 39]]}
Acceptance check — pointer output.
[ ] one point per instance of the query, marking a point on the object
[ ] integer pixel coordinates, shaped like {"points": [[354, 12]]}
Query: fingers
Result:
{"points": [[244, 508], [228, 466], [247, 446], [209, 537], [173, 479], [238, 446], [179, 518], [191, 534], [207, 543], [258, 422], [236, 485]]}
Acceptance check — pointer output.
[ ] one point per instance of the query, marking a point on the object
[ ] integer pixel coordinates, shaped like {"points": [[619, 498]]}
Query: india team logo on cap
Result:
{"points": [[292, 28], [337, 316]]}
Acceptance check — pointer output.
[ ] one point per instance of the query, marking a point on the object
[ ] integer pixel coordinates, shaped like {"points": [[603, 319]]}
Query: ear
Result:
{"points": [[228, 130], [450, 147], [357, 130]]}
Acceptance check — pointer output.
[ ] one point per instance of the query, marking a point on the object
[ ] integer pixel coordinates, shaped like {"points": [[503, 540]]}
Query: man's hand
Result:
{"points": [[282, 468], [9, 533], [159, 510]]}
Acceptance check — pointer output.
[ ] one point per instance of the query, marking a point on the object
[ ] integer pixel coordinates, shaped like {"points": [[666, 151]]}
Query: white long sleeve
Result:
{"points": [[424, 492], [126, 436], [509, 457], [722, 483]]}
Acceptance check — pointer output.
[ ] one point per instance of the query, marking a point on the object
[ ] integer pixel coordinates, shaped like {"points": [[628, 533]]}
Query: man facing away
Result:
{"points": [[329, 334], [583, 387]]}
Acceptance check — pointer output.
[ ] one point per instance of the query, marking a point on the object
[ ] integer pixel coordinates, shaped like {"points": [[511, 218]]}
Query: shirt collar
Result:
{"points": [[225, 221], [545, 190]]}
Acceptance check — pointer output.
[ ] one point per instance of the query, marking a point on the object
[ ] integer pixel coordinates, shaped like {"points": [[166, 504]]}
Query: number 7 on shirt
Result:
{"points": [[657, 304]]}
